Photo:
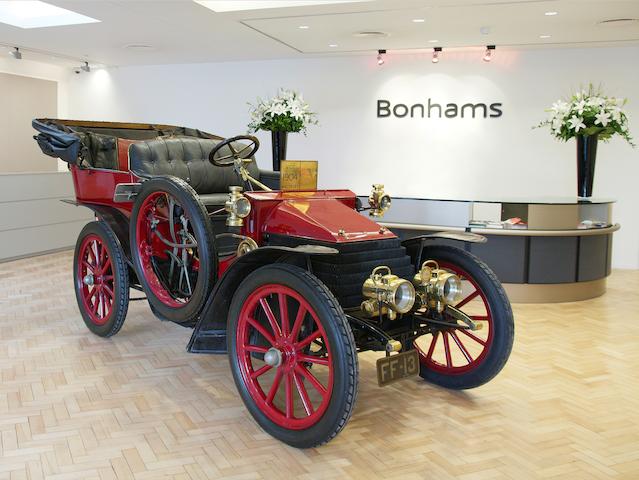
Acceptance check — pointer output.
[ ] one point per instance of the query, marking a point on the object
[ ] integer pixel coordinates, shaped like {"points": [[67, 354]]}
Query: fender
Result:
{"points": [[114, 220], [209, 335], [415, 246]]}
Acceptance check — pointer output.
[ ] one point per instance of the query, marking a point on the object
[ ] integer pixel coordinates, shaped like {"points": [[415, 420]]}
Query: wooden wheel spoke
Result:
{"points": [[255, 349], [255, 324], [260, 371], [467, 299], [88, 266], [271, 317], [301, 313], [433, 343], [276, 384], [313, 359], [449, 360], [301, 389], [108, 290], [473, 336], [480, 318], [312, 379], [282, 300], [461, 346], [307, 341], [288, 390]]}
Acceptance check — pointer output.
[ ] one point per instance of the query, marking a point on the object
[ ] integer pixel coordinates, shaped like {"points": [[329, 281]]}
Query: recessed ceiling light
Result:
{"points": [[544, 36], [36, 14], [303, 27], [239, 5], [370, 34], [433, 41], [418, 20], [551, 14], [139, 47], [333, 45]]}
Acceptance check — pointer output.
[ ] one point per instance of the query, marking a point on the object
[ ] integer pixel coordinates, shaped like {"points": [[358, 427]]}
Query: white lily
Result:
{"points": [[576, 123], [602, 118]]}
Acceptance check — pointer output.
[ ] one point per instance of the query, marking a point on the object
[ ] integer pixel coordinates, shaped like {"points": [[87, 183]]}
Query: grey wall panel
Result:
{"points": [[32, 218], [553, 260], [506, 256], [593, 257]]}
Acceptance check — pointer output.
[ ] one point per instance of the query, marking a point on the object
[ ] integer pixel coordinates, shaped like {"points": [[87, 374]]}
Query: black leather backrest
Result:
{"points": [[188, 159]]}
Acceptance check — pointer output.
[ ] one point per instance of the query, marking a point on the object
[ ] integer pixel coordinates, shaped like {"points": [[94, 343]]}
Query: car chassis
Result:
{"points": [[292, 285]]}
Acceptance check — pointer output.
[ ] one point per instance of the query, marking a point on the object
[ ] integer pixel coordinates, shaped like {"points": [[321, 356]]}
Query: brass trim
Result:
{"points": [[510, 232], [554, 292]]}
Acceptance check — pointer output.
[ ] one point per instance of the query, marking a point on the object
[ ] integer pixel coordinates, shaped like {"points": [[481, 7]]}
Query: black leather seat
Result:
{"points": [[188, 159]]}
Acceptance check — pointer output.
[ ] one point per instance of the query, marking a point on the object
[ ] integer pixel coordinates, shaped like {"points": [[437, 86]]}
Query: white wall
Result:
{"points": [[432, 158]]}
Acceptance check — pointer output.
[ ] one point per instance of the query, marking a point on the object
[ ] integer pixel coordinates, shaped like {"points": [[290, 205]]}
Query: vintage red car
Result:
{"points": [[292, 285]]}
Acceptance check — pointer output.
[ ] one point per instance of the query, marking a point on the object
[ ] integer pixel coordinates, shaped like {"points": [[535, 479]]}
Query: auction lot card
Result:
{"points": [[298, 175]]}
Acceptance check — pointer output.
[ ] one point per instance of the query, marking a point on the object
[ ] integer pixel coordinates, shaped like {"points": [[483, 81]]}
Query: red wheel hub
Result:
{"points": [[95, 280], [456, 351], [284, 357]]}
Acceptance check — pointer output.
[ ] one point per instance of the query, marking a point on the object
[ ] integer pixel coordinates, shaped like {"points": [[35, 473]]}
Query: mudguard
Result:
{"points": [[209, 335], [415, 246]]}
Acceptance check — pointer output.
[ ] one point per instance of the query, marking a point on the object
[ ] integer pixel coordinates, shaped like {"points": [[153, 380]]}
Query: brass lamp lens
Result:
{"points": [[404, 296], [451, 290], [242, 207]]}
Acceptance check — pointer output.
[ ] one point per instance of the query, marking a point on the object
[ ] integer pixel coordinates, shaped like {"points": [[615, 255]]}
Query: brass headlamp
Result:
{"points": [[387, 293], [435, 287], [378, 200], [237, 206]]}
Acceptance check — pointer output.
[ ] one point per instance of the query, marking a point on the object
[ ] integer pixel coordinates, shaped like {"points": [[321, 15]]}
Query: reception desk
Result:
{"points": [[558, 251]]}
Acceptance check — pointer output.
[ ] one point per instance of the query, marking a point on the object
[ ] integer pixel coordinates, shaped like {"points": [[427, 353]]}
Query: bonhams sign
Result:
{"points": [[430, 109]]}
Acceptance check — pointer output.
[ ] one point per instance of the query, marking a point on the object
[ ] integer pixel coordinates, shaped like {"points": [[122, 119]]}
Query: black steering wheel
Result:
{"points": [[228, 160]]}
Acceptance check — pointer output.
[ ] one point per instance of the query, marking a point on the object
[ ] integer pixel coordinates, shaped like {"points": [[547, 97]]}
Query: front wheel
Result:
{"points": [[292, 355], [458, 358]]}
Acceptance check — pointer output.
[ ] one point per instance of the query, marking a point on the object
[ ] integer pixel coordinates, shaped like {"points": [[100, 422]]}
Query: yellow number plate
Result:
{"points": [[393, 368]]}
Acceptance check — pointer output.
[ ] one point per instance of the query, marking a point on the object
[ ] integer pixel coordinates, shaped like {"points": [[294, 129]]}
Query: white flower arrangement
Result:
{"points": [[588, 112], [286, 112]]}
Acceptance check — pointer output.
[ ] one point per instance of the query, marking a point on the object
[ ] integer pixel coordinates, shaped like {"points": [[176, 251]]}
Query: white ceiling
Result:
{"points": [[182, 31]]}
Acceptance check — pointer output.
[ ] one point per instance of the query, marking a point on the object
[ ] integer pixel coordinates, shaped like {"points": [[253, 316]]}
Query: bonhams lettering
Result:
{"points": [[386, 109]]}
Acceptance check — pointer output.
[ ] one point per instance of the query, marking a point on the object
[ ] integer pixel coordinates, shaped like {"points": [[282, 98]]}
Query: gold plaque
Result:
{"points": [[298, 175]]}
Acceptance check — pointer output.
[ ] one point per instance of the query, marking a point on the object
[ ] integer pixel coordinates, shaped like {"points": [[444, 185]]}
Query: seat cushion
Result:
{"points": [[188, 159]]}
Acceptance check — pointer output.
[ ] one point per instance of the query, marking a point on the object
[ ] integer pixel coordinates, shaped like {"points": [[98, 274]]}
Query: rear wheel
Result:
{"points": [[101, 280], [172, 245], [459, 358], [292, 355]]}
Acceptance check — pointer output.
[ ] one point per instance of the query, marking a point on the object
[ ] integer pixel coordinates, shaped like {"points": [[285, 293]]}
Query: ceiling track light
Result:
{"points": [[86, 67], [15, 53], [380, 56], [488, 56], [436, 52]]}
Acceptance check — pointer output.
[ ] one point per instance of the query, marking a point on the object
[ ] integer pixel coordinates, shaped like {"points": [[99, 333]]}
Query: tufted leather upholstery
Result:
{"points": [[188, 159]]}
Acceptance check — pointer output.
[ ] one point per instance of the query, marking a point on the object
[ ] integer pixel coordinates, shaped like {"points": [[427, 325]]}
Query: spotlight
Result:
{"points": [[380, 56], [489, 53], [16, 54], [86, 67], [436, 52]]}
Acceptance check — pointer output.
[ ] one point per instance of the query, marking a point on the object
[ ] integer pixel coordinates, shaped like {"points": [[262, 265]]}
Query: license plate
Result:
{"points": [[393, 368]]}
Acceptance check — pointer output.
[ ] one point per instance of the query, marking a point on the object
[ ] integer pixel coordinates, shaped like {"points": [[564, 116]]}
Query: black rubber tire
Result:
{"points": [[503, 322], [121, 280], [203, 232], [340, 336]]}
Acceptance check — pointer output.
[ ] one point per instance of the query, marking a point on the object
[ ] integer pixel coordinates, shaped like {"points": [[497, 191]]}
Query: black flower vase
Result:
{"points": [[586, 156], [279, 148]]}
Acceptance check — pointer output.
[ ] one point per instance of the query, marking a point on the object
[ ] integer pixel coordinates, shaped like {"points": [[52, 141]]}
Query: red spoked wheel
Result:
{"points": [[172, 248], [292, 354], [457, 357], [100, 279]]}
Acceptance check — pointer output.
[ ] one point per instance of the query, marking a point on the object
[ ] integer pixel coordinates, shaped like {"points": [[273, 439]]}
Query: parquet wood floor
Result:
{"points": [[75, 406]]}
